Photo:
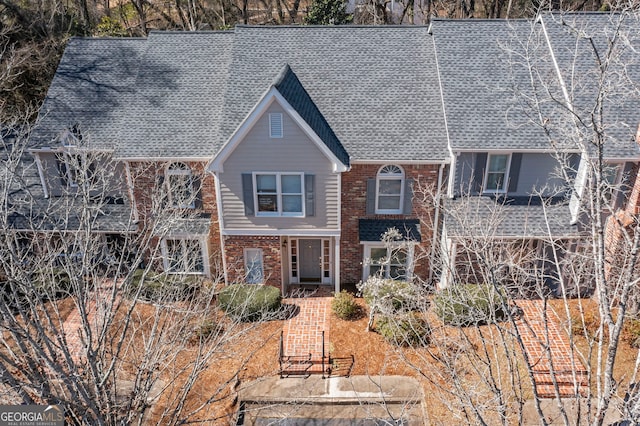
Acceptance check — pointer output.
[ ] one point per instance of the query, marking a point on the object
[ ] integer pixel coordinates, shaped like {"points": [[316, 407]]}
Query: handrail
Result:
{"points": [[323, 354], [281, 354]]}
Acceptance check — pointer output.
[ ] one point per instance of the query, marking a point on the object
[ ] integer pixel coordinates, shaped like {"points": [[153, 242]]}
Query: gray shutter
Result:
{"points": [[371, 196], [478, 171], [247, 194], [196, 182], [514, 171], [162, 190], [408, 196], [309, 193]]}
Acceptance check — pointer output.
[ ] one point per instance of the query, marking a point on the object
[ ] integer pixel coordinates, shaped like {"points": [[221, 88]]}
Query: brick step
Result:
{"points": [[294, 365], [565, 382]]}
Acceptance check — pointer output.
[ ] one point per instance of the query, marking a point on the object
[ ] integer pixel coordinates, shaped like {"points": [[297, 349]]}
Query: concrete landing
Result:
{"points": [[333, 401]]}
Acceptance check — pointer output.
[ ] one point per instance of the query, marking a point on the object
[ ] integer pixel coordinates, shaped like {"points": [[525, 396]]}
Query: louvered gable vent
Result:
{"points": [[275, 125]]}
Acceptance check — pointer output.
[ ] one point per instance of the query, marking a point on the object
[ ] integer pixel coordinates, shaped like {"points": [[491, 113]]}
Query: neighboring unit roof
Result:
{"points": [[374, 229], [291, 89], [522, 217], [93, 85], [487, 86], [180, 95], [597, 53]]}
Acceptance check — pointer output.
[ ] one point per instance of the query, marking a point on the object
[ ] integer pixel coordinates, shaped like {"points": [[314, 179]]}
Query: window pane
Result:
{"points": [[397, 272], [378, 254], [291, 184], [253, 266], [375, 270], [266, 183], [268, 203], [495, 181], [292, 203], [193, 256], [398, 257], [498, 163], [390, 186], [389, 202]]}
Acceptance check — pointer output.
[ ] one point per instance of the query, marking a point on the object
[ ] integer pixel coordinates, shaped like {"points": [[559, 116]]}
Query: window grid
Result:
{"points": [[279, 194], [390, 190], [497, 172]]}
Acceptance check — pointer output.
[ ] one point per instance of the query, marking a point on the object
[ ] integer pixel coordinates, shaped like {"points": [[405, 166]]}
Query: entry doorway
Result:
{"points": [[310, 261]]}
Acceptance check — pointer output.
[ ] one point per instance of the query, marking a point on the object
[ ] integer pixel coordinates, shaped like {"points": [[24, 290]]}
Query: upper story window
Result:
{"points": [[611, 179], [279, 194], [275, 125], [76, 168], [180, 185], [496, 173], [390, 190]]}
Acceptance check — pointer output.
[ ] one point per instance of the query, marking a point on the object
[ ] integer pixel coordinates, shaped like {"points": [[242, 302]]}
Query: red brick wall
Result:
{"points": [[271, 257], [146, 178], [354, 207]]}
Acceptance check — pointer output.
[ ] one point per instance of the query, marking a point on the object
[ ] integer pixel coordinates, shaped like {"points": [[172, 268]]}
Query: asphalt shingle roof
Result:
{"points": [[490, 217], [374, 229], [291, 89], [571, 37], [486, 86], [93, 85]]}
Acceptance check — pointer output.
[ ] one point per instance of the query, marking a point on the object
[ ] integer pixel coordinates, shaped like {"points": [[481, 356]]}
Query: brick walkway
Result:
{"points": [[559, 355], [74, 332], [302, 334]]}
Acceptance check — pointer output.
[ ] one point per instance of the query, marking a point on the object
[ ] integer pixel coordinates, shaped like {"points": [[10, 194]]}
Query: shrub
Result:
{"points": [[159, 287], [408, 329], [469, 304], [390, 295], [344, 306], [249, 302]]}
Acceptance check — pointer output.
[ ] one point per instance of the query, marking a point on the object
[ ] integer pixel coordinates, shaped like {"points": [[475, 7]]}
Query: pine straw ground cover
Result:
{"points": [[254, 355]]}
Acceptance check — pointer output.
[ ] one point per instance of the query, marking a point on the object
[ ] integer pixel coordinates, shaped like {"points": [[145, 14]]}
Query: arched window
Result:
{"points": [[180, 183], [390, 190]]}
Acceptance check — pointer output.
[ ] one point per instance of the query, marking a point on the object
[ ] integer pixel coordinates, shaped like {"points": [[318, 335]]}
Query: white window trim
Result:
{"points": [[246, 254], [179, 172], [164, 248], [379, 178], [276, 116], [505, 181], [366, 263], [279, 195]]}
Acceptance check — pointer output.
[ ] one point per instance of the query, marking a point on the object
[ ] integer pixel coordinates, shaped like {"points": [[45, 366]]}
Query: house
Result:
{"points": [[290, 151]]}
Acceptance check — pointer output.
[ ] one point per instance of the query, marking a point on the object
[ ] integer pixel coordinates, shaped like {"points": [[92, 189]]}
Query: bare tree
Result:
{"points": [[90, 320]]}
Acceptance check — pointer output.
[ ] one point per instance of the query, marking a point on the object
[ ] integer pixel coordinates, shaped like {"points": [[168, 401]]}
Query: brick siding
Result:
{"points": [[271, 257], [354, 207]]}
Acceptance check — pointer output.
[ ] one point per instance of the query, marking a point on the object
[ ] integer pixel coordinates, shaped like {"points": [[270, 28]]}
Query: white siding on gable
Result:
{"points": [[294, 152]]}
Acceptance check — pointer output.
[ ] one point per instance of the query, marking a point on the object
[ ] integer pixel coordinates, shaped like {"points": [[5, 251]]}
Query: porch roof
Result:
{"points": [[515, 217], [374, 229]]}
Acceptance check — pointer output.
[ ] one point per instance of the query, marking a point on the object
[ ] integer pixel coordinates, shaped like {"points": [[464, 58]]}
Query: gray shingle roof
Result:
{"points": [[183, 94], [374, 229], [291, 89], [486, 89], [488, 217], [94, 83], [571, 36]]}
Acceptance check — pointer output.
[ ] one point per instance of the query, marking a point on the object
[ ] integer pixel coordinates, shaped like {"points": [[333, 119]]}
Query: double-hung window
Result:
{"points": [[390, 190], [183, 255], [180, 182], [388, 262], [279, 194], [496, 173]]}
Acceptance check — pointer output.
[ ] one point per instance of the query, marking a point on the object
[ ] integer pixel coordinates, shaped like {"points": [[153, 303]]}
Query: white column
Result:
{"points": [[336, 265]]}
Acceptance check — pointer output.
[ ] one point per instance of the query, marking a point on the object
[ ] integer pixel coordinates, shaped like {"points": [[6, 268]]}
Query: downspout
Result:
{"points": [[436, 221], [220, 226]]}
